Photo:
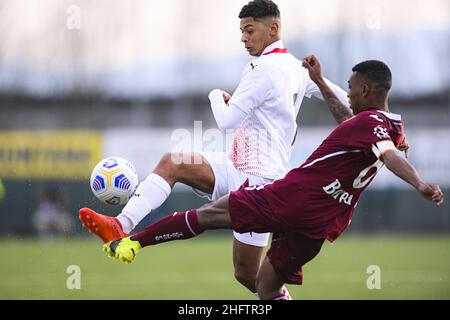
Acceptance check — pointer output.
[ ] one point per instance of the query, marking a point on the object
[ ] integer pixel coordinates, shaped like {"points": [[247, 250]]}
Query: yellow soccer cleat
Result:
{"points": [[124, 249]]}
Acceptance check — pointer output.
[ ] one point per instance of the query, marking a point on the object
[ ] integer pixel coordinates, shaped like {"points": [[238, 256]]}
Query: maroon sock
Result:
{"points": [[179, 226]]}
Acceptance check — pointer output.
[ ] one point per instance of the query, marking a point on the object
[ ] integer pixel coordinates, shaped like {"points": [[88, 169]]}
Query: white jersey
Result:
{"points": [[270, 93]]}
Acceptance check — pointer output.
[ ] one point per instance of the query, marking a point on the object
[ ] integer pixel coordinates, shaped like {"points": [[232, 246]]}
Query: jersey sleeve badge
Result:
{"points": [[381, 132]]}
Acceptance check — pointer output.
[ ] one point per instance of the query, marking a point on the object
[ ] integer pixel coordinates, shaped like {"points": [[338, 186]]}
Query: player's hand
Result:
{"points": [[432, 192], [226, 96], [404, 146], [312, 64]]}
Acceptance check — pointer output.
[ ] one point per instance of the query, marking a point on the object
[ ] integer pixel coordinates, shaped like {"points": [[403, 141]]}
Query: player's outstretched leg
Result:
{"points": [[179, 226], [107, 228]]}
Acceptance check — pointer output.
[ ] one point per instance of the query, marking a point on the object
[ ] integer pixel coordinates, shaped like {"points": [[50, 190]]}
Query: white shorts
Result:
{"points": [[228, 179]]}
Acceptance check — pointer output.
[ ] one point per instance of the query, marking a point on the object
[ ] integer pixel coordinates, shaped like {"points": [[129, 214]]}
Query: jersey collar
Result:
{"points": [[276, 45], [390, 115]]}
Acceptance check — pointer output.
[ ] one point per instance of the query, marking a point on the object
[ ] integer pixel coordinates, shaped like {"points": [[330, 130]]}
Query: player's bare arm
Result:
{"points": [[403, 169], [339, 111]]}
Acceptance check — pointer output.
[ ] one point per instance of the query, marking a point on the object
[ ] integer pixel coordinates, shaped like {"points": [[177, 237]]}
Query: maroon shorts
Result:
{"points": [[289, 251]]}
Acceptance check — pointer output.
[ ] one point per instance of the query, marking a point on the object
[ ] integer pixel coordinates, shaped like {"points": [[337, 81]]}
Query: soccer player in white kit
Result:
{"points": [[263, 109]]}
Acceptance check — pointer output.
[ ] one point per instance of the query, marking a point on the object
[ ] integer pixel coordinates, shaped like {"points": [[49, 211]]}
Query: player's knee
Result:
{"points": [[179, 163], [170, 163], [207, 220], [165, 162], [214, 217], [245, 277]]}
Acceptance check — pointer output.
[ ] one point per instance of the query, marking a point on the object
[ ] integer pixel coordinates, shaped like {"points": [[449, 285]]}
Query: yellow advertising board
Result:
{"points": [[56, 155]]}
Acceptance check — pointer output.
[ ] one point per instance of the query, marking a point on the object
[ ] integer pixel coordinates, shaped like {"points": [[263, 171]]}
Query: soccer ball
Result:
{"points": [[114, 181]]}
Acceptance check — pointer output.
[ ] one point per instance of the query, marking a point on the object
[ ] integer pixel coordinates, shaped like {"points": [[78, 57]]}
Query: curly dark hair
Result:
{"points": [[258, 9], [376, 72]]}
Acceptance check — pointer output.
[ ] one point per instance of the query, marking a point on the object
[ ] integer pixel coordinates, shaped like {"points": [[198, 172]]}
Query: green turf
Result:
{"points": [[411, 268]]}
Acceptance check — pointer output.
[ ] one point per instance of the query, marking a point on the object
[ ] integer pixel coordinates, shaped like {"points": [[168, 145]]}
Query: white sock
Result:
{"points": [[150, 194]]}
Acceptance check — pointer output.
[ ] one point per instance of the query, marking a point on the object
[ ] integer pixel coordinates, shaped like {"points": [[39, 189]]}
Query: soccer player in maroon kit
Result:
{"points": [[314, 202]]}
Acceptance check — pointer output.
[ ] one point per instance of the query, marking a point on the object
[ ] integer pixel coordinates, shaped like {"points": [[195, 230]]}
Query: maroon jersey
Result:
{"points": [[318, 198]]}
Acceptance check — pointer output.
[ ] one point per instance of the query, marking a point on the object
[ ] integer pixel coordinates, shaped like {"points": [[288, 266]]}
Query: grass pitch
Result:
{"points": [[412, 267]]}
